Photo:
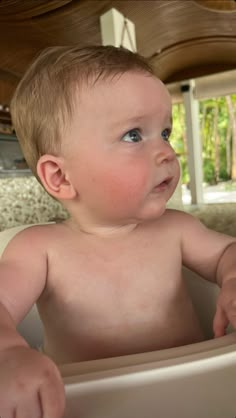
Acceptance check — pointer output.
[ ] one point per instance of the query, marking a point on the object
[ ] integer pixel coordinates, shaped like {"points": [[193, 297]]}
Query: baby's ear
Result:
{"points": [[53, 176]]}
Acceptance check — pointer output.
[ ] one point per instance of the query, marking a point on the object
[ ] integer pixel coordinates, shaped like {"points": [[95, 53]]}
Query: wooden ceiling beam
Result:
{"points": [[183, 38]]}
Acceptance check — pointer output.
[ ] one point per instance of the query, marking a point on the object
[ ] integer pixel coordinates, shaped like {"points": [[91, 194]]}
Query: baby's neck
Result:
{"points": [[108, 231]]}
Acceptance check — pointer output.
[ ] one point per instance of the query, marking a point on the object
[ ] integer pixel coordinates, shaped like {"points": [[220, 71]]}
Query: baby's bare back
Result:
{"points": [[108, 297]]}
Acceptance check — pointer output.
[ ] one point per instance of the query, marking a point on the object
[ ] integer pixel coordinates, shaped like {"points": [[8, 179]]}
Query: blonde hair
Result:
{"points": [[43, 103]]}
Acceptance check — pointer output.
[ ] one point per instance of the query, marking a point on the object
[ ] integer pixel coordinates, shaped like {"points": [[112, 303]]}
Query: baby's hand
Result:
{"points": [[225, 308], [30, 385]]}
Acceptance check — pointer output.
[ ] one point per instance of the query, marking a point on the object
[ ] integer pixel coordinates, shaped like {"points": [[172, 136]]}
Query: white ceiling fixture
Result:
{"points": [[117, 30]]}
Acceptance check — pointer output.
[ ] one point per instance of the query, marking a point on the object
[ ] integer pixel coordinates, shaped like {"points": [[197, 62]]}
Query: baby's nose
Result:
{"points": [[164, 153]]}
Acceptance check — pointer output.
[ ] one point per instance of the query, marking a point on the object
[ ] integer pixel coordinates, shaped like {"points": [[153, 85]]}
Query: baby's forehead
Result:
{"points": [[135, 82], [126, 97]]}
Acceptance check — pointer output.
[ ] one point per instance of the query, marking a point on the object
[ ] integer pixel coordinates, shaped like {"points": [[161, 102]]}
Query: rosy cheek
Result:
{"points": [[124, 185]]}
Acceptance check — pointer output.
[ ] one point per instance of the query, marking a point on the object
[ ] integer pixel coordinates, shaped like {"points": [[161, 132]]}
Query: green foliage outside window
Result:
{"points": [[217, 120]]}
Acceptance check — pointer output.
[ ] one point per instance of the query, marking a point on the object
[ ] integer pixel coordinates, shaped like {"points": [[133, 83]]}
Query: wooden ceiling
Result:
{"points": [[182, 38]]}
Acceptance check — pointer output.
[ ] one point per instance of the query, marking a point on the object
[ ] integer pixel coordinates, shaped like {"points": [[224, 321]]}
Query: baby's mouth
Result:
{"points": [[162, 186]]}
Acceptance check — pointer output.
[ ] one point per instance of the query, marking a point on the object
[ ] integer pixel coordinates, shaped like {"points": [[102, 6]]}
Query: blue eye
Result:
{"points": [[132, 136], [166, 134]]}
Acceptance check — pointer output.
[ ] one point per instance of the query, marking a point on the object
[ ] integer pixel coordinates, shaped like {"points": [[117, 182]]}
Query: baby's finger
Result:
{"points": [[28, 409], [231, 312], [52, 398], [220, 322]]}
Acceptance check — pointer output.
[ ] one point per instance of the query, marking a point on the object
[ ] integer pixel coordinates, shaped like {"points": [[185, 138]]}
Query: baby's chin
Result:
{"points": [[152, 212]]}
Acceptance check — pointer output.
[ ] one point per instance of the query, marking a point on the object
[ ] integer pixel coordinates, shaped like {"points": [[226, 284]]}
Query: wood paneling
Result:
{"points": [[181, 38]]}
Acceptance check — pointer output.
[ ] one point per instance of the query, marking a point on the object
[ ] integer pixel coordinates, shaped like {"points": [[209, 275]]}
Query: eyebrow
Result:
{"points": [[136, 119], [132, 119], [117, 124]]}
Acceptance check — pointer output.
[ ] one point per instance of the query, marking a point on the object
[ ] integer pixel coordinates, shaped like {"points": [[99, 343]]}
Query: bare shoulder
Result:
{"points": [[178, 219], [24, 268], [33, 238], [201, 247], [190, 227], [178, 214], [173, 226]]}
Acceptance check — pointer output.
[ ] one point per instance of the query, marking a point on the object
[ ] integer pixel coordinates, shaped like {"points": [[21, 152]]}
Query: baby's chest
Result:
{"points": [[106, 290]]}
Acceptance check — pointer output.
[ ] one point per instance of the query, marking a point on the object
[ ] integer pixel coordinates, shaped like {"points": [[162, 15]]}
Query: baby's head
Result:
{"points": [[94, 126], [44, 102]]}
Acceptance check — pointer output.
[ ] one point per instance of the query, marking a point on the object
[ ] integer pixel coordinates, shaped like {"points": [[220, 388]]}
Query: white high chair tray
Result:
{"points": [[196, 381]]}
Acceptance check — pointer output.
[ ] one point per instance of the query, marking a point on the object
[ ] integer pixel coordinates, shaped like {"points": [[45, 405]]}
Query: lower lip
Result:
{"points": [[162, 187]]}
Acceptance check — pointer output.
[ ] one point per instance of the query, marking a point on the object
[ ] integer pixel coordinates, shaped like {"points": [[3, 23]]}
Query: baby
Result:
{"points": [[94, 125]]}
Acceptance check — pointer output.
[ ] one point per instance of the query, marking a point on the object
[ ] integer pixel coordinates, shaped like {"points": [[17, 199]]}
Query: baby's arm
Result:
{"points": [[226, 302], [30, 383], [213, 256]]}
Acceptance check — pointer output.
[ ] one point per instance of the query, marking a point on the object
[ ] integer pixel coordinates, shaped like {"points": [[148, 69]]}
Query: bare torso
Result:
{"points": [[108, 297]]}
